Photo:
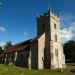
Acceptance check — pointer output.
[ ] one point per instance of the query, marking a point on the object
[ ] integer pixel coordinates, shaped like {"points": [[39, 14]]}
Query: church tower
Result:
{"points": [[48, 23]]}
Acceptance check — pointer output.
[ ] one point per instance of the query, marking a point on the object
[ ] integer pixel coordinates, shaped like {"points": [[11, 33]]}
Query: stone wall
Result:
{"points": [[10, 57], [34, 55], [57, 59], [54, 31], [41, 48], [19, 58], [22, 58]]}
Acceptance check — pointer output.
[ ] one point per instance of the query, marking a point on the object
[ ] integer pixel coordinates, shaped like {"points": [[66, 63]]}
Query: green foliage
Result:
{"points": [[1, 50], [1, 4], [69, 50], [8, 44]]}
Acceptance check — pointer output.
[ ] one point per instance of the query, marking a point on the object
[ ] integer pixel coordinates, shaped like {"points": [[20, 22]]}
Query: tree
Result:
{"points": [[69, 50], [8, 44], [1, 51], [1, 4]]}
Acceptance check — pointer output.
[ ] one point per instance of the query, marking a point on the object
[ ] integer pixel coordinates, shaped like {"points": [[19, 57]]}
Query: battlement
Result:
{"points": [[50, 14], [43, 15]]}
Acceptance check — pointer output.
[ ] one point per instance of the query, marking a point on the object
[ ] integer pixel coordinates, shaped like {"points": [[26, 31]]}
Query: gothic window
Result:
{"points": [[55, 25], [55, 37], [56, 52]]}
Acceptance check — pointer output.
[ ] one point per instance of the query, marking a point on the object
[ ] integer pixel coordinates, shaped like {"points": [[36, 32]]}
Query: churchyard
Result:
{"points": [[13, 70]]}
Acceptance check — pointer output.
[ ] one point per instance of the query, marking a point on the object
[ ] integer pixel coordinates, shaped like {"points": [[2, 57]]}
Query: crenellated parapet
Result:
{"points": [[49, 14]]}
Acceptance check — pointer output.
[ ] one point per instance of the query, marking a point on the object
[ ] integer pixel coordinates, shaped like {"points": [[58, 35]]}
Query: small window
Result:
{"points": [[55, 37], [56, 52], [55, 25], [42, 59], [43, 26]]}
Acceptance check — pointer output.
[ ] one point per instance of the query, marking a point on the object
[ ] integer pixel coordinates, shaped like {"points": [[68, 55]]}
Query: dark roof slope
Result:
{"points": [[18, 47], [22, 45]]}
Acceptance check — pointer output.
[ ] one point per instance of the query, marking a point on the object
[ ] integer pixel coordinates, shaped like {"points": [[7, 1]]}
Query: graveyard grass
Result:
{"points": [[13, 70]]}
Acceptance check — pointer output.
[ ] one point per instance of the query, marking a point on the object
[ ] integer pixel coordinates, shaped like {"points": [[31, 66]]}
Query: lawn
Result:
{"points": [[13, 70]]}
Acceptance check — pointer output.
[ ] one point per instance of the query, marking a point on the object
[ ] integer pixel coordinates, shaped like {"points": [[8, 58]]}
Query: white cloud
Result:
{"points": [[66, 19], [2, 29], [2, 44], [67, 22], [66, 35]]}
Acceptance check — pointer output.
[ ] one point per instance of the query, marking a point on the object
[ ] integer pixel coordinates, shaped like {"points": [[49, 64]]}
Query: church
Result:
{"points": [[43, 51]]}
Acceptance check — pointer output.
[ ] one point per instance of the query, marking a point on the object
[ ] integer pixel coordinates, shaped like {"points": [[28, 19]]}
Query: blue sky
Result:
{"points": [[18, 18]]}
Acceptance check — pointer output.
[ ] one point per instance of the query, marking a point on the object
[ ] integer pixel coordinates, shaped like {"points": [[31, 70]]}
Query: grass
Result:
{"points": [[13, 70]]}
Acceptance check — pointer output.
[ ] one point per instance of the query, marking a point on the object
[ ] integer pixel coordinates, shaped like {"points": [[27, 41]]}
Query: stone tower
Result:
{"points": [[48, 23]]}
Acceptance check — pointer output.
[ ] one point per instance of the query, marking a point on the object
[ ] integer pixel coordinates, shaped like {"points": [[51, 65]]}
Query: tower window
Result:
{"points": [[55, 37], [55, 25], [43, 26], [56, 52]]}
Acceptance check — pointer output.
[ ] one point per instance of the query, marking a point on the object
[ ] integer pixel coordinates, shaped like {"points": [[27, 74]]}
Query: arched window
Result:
{"points": [[55, 25]]}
